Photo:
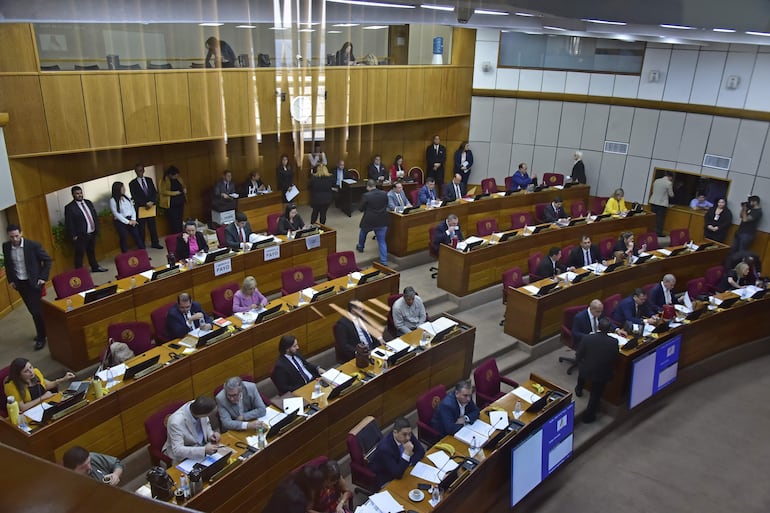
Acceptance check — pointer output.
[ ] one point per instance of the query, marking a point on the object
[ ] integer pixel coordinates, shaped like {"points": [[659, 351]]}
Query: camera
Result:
{"points": [[744, 204]]}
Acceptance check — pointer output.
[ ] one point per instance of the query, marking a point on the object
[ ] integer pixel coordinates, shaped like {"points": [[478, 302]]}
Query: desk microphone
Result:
{"points": [[494, 426]]}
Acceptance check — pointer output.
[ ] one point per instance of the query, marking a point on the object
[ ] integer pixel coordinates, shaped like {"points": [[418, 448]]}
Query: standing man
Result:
{"points": [[751, 213], [587, 321], [145, 196], [102, 467], [224, 193], [662, 191], [27, 266], [455, 189], [240, 405], [578, 170], [82, 224], [395, 453], [376, 170], [374, 205], [435, 157], [596, 357], [455, 410]]}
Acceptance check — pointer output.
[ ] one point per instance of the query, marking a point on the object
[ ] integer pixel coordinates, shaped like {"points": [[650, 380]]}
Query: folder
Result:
{"points": [[145, 212]]}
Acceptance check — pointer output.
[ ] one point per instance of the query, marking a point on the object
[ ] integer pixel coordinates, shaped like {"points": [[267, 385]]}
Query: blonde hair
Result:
{"points": [[741, 268], [322, 170], [249, 283]]}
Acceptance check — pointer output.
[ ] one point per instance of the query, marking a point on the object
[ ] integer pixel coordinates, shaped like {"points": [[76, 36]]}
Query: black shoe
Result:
{"points": [[359, 249], [39, 344], [99, 269], [156, 246], [502, 323], [579, 392]]}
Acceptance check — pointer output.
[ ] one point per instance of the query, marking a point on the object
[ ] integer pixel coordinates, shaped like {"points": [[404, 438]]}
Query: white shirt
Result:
{"points": [[123, 212], [19, 264], [666, 294]]}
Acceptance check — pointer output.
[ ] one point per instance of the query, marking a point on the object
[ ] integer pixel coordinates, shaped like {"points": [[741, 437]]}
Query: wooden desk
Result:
{"points": [[408, 233], [463, 273], [77, 337], [350, 193], [257, 208], [114, 424], [531, 319]]}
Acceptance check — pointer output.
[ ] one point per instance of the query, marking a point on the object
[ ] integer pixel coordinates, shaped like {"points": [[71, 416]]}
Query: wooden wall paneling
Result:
{"points": [[336, 81], [211, 372], [262, 94], [101, 438], [26, 177], [199, 175], [283, 106], [415, 94], [19, 50], [34, 221], [104, 110], [458, 129], [206, 108], [398, 89], [236, 98], [463, 90], [21, 98], [173, 97], [64, 111], [463, 46], [5, 295], [140, 107], [357, 98], [434, 103], [376, 96]]}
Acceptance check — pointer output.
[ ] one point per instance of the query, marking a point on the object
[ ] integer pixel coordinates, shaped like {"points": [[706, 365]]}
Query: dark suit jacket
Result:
{"points": [[579, 172], [581, 326], [285, 177], [656, 298], [621, 246], [286, 376], [138, 195], [432, 157], [459, 164], [233, 237], [373, 174], [345, 174], [346, 337], [576, 257], [440, 236], [75, 220], [182, 250], [219, 203], [321, 190], [284, 225], [176, 326], [546, 269], [449, 192], [448, 411], [596, 357], [374, 205], [626, 311], [37, 260], [424, 195], [550, 215], [386, 461]]}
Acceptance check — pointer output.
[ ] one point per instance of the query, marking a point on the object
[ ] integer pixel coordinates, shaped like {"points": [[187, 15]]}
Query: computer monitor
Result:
{"points": [[614, 266], [539, 404], [580, 277], [96, 295], [539, 228], [643, 259], [209, 471], [213, 255], [727, 303], [139, 367], [276, 428], [508, 235], [368, 276], [270, 241], [546, 289], [311, 230], [211, 337], [341, 388], [473, 245], [62, 405], [165, 273], [268, 313]]}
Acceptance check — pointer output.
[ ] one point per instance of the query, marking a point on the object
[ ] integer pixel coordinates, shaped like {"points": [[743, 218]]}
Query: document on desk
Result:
{"points": [[382, 353], [292, 404], [747, 291], [443, 462], [385, 503], [336, 377], [620, 338], [466, 434], [114, 371], [437, 326], [248, 317], [531, 289], [309, 292], [498, 419], [187, 465], [198, 333], [525, 395], [426, 472], [664, 251], [36, 413], [147, 274], [568, 276], [350, 181], [272, 416], [397, 345]]}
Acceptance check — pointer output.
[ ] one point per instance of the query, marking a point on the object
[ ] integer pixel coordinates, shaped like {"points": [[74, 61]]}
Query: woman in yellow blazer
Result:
{"points": [[616, 204], [27, 384], [172, 194]]}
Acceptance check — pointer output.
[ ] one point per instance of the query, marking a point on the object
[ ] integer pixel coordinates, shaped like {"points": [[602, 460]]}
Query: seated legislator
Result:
{"points": [[550, 265], [249, 297], [238, 232], [584, 254], [626, 248], [185, 316], [239, 405], [455, 410], [427, 192], [554, 211], [190, 241], [521, 180], [340, 173], [663, 294], [408, 312], [189, 431], [397, 197], [254, 185], [353, 331], [290, 221], [27, 384], [587, 321], [102, 467], [634, 309], [455, 189], [296, 493], [395, 453], [291, 369], [616, 204], [737, 278], [376, 171], [446, 231], [700, 202], [224, 193]]}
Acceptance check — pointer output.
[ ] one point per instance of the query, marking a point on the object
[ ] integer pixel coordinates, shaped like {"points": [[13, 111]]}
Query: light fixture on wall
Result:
{"points": [[486, 67], [732, 82], [655, 75]]}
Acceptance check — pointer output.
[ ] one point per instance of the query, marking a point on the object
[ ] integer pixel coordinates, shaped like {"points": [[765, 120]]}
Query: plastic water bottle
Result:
{"points": [[110, 379], [184, 484], [69, 305], [350, 280], [133, 282], [317, 388], [384, 365], [517, 409], [98, 389], [435, 494], [13, 410], [474, 444], [261, 439], [23, 423]]}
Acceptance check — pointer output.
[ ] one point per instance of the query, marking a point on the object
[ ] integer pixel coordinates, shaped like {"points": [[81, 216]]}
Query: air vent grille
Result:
{"points": [[620, 148], [717, 162]]}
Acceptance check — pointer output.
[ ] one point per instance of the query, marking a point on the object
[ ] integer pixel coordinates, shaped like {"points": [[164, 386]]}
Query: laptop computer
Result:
{"points": [[62, 405], [705, 246], [139, 367], [508, 235], [580, 277], [311, 230], [213, 255], [365, 277], [96, 295], [165, 273], [614, 266], [209, 471], [322, 294], [661, 328], [545, 289], [276, 428], [473, 245], [211, 337], [539, 404], [643, 259], [727, 303], [77, 387], [268, 313]]}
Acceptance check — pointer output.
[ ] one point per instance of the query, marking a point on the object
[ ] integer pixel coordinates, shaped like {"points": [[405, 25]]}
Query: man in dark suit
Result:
{"points": [[340, 173], [585, 254], [427, 192], [633, 309], [82, 224], [455, 189], [446, 231], [224, 193], [435, 158], [374, 205], [291, 370], [579, 169], [145, 196], [237, 233], [352, 330], [587, 321], [376, 170], [455, 410], [550, 265], [663, 294], [185, 316], [554, 211], [184, 248], [27, 266], [396, 452], [596, 357]]}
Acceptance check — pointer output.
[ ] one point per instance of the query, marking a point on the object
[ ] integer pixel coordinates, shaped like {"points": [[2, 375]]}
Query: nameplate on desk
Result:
{"points": [[313, 241], [223, 267], [272, 253]]}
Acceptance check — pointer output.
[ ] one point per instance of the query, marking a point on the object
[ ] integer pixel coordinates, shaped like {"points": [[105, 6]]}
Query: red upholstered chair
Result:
{"points": [[414, 196], [540, 211], [296, 279], [155, 427], [714, 277], [315, 462], [132, 262], [222, 299], [533, 261], [649, 238], [697, 287], [221, 241], [511, 278], [426, 405], [508, 183], [341, 263], [272, 223], [391, 324], [431, 250], [71, 282], [158, 318], [416, 174], [3, 398], [565, 251], [170, 241], [551, 179], [578, 209], [137, 335], [648, 287], [486, 226], [520, 220], [361, 440], [489, 185], [566, 334], [606, 246], [487, 379], [598, 204], [679, 236], [354, 174], [611, 303]]}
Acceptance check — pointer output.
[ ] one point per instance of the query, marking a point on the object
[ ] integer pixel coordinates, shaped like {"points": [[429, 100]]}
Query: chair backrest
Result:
{"points": [[565, 251], [486, 377], [606, 246], [222, 298], [71, 282], [391, 324], [486, 226], [158, 318], [3, 398], [170, 241], [489, 185], [296, 279], [649, 238], [315, 462], [341, 263], [697, 287], [540, 211], [578, 209], [132, 262], [362, 438], [611, 303], [136, 334], [598, 204], [551, 179], [508, 183], [272, 223], [354, 173], [648, 287], [532, 262], [520, 220], [414, 196], [431, 250], [714, 277], [221, 241], [155, 427], [428, 402], [165, 65], [679, 236], [244, 377], [416, 174], [511, 278], [566, 324]]}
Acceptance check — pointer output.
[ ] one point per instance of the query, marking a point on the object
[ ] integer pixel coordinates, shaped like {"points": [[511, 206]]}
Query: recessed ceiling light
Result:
{"points": [[625, 37], [605, 22], [375, 27], [210, 24], [334, 32], [306, 30], [678, 27], [763, 34], [278, 28], [246, 26], [525, 14], [729, 31], [490, 13], [548, 27], [345, 24], [372, 4], [434, 7]]}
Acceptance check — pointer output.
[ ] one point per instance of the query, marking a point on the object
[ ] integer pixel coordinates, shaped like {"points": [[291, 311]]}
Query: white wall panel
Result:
{"points": [[507, 79], [626, 86], [499, 157], [503, 116], [571, 126], [485, 51], [593, 163], [480, 161], [739, 64], [543, 160], [554, 81], [654, 59], [526, 122], [694, 137], [548, 119], [530, 80], [762, 189], [757, 97], [634, 182], [481, 118], [564, 160], [619, 124], [716, 173], [611, 174], [601, 84], [690, 168], [681, 70], [577, 82], [724, 131], [669, 135], [595, 127], [520, 153], [749, 146], [708, 76], [764, 162], [487, 34], [643, 130]]}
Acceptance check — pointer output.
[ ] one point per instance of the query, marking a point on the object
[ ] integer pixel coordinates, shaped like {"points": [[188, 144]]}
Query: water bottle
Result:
{"points": [[184, 484], [23, 423], [517, 409], [350, 280], [13, 410], [98, 389], [474, 444], [261, 438], [384, 365], [435, 494], [196, 483], [110, 378], [317, 388], [69, 305], [133, 282]]}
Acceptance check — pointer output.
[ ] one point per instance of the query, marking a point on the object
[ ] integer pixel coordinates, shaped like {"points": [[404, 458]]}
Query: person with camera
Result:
{"points": [[751, 213], [102, 467]]}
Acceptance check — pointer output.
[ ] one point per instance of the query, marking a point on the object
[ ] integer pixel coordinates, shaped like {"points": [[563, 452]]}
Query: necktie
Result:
{"points": [[362, 331], [199, 431], [636, 310], [299, 368], [144, 185], [587, 257], [243, 235], [593, 324], [457, 191], [400, 201], [89, 220]]}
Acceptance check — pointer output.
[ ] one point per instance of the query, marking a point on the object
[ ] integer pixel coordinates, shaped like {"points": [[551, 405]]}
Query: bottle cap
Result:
{"points": [[11, 399]]}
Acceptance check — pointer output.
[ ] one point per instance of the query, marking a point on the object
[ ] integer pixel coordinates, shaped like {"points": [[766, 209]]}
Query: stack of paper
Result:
{"points": [[114, 372], [335, 377], [665, 251], [427, 473], [531, 289], [397, 345], [147, 274], [568, 276], [438, 325], [272, 416], [443, 462], [747, 291], [385, 503], [621, 339], [248, 317], [479, 429], [382, 353], [309, 292], [525, 395], [498, 419]]}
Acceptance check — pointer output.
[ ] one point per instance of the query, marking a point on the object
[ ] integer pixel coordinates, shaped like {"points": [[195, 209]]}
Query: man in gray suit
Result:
{"points": [[240, 405], [189, 430], [662, 190], [397, 197]]}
